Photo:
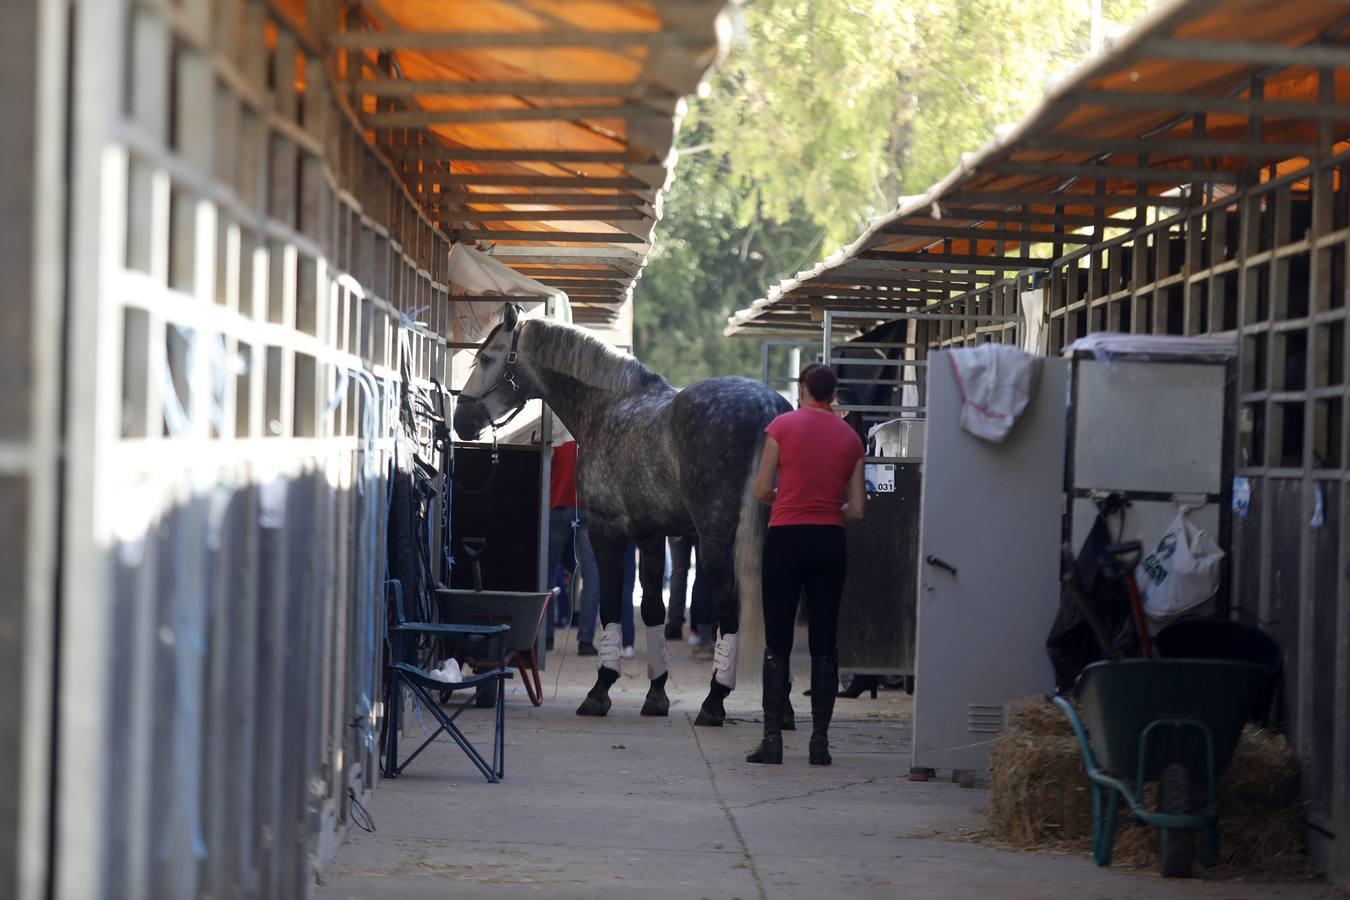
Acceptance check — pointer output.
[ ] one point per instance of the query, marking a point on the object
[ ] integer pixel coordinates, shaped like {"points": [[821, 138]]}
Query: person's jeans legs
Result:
{"points": [[557, 610], [701, 604], [681, 552], [626, 611], [559, 533], [590, 587]]}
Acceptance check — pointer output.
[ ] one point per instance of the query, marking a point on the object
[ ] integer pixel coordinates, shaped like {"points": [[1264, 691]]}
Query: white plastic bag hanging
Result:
{"points": [[1181, 572]]}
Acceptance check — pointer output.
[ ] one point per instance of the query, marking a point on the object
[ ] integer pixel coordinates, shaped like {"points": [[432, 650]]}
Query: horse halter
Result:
{"points": [[508, 377]]}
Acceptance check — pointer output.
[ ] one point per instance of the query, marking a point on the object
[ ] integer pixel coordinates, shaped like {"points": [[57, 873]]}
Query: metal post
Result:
{"points": [[829, 337]]}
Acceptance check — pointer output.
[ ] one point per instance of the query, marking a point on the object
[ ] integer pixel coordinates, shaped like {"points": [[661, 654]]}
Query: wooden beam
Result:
{"points": [[896, 287], [425, 118], [957, 261], [442, 153], [549, 181], [1123, 173], [1047, 198], [553, 272], [553, 39], [543, 199], [1245, 53], [882, 269], [404, 87], [970, 232], [553, 256], [551, 237], [578, 283], [965, 213], [495, 298], [898, 296], [1275, 150], [559, 215], [564, 255], [1164, 102]]}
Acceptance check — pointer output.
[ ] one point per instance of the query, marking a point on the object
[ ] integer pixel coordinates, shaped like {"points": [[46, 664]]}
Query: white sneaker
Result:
{"points": [[693, 639], [629, 652]]}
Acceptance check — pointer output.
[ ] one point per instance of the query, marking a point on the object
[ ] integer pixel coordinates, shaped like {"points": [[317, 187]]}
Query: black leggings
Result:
{"points": [[809, 557]]}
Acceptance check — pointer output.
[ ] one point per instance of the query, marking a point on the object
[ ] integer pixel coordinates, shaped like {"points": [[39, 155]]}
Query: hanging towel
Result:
{"points": [[996, 382]]}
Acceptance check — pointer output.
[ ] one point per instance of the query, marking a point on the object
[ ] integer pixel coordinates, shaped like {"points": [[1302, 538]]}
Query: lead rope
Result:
{"points": [[493, 460]]}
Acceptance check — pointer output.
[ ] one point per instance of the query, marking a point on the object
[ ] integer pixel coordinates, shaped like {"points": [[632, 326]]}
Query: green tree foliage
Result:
{"points": [[825, 112]]}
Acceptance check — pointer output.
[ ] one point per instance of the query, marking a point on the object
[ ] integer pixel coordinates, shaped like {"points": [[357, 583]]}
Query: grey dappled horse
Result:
{"points": [[653, 462]]}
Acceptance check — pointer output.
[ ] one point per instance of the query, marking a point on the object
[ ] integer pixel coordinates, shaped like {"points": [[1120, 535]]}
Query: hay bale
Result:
{"points": [[1037, 715], [1041, 799], [1039, 788]]}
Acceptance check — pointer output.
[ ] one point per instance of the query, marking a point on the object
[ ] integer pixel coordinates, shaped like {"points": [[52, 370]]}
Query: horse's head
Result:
{"points": [[497, 385]]}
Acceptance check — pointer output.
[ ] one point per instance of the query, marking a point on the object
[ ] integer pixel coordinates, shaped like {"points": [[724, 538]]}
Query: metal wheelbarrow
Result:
{"points": [[1174, 721]]}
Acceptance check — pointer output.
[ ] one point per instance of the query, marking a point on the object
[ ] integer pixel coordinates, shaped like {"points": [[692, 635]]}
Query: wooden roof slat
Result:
{"points": [[1124, 173], [425, 118], [549, 181], [1161, 101], [959, 261], [1246, 53], [1035, 198], [971, 232], [553, 215], [452, 155], [541, 199], [552, 39], [580, 237], [1016, 214], [399, 87], [1170, 146]]}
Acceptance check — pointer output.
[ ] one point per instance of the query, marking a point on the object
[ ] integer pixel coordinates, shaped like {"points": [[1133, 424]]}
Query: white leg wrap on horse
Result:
{"points": [[724, 660], [658, 661], [611, 640]]}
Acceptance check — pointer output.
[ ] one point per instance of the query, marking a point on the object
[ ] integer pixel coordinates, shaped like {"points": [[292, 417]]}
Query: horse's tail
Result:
{"points": [[749, 554]]}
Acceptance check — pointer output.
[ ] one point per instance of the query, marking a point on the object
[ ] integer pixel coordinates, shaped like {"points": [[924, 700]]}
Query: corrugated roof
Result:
{"points": [[1201, 95], [539, 128]]}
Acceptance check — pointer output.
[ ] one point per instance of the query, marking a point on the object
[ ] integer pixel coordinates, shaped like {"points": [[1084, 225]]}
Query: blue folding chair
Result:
{"points": [[478, 641]]}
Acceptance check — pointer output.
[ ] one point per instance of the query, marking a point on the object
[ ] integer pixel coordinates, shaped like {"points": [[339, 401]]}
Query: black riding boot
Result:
{"points": [[770, 750], [824, 680]]}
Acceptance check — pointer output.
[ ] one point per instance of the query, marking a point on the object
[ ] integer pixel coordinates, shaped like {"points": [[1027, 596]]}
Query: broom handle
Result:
{"points": [[1140, 622], [1094, 624]]}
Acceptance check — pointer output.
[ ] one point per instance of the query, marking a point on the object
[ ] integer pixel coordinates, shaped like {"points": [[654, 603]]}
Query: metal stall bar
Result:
{"points": [[879, 413]]}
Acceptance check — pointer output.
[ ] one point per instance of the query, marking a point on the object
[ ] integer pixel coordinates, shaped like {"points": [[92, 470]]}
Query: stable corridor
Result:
{"points": [[625, 806]]}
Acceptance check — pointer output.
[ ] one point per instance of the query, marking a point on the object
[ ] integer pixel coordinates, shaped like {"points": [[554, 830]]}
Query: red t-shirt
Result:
{"points": [[562, 488], [817, 453]]}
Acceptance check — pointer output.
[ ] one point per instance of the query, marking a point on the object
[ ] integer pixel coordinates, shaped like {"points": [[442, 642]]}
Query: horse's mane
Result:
{"points": [[576, 353]]}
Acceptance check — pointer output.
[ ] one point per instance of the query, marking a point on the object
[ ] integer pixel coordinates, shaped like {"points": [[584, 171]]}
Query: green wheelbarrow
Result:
{"points": [[1174, 721]]}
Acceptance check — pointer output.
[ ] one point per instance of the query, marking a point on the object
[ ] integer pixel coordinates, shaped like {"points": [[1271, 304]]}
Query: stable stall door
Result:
{"points": [[993, 513]]}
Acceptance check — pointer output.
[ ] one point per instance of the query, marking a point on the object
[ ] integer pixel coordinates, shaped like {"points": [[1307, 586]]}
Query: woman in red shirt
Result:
{"points": [[817, 459]]}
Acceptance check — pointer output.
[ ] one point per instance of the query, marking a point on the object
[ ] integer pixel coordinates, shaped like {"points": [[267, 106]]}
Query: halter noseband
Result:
{"points": [[508, 377]]}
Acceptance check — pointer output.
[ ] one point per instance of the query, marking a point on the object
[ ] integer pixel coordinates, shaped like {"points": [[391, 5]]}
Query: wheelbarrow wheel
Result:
{"points": [[1177, 798]]}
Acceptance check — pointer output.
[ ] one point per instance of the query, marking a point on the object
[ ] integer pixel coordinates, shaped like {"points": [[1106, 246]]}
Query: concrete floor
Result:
{"points": [[627, 806]]}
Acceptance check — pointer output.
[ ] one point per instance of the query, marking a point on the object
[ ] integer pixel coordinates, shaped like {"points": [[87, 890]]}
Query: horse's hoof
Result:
{"points": [[594, 706], [713, 713], [710, 718], [656, 705]]}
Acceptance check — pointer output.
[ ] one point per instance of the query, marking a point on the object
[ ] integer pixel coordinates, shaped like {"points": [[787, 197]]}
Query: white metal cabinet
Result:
{"points": [[993, 512]]}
